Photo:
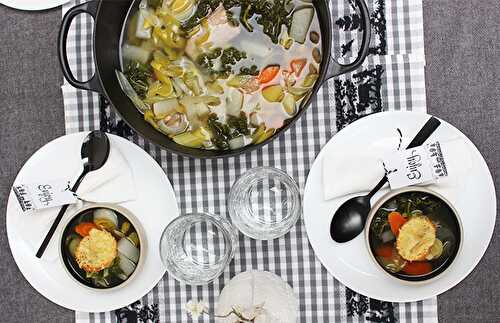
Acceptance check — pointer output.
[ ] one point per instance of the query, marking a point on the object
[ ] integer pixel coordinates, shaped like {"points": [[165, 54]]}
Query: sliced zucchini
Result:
{"points": [[273, 93], [289, 104]]}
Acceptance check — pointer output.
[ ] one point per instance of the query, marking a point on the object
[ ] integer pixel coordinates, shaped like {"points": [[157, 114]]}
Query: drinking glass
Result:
{"points": [[264, 203], [197, 247]]}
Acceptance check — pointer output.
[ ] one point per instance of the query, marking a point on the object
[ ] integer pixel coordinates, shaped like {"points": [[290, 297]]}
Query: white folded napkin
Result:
{"points": [[350, 173], [360, 170], [112, 183]]}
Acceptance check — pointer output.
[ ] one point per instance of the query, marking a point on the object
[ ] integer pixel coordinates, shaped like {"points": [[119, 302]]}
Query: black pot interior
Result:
{"points": [[110, 19]]}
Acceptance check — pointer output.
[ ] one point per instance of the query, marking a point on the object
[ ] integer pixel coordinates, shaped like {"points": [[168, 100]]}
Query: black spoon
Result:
{"points": [[349, 219], [94, 152]]}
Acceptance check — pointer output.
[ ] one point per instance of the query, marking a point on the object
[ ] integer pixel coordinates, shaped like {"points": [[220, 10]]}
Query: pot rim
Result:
{"points": [[195, 153]]}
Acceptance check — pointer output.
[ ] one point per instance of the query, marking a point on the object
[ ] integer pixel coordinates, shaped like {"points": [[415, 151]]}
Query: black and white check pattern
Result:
{"points": [[204, 184], [397, 27]]}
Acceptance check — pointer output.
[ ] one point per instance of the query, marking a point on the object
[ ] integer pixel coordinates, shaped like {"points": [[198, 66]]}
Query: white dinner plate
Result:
{"points": [[155, 206], [350, 262], [33, 4]]}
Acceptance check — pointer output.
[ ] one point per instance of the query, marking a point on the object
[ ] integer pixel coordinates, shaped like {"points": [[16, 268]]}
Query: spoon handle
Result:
{"points": [[58, 219], [425, 132], [378, 186]]}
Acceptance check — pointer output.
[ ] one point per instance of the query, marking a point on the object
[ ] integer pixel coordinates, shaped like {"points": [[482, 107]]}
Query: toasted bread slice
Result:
{"points": [[96, 251], [416, 238]]}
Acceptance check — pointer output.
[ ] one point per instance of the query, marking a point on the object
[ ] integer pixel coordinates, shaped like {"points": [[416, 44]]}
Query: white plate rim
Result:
{"points": [[58, 299], [33, 5], [372, 118]]}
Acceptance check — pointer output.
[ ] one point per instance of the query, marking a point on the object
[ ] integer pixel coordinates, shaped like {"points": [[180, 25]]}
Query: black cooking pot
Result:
{"points": [[109, 18]]}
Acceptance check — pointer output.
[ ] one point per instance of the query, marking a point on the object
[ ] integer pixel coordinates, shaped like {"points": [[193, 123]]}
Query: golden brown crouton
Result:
{"points": [[416, 238], [96, 251]]}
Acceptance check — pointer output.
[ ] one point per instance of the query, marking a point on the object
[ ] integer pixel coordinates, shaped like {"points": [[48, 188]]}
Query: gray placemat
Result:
{"points": [[392, 78]]}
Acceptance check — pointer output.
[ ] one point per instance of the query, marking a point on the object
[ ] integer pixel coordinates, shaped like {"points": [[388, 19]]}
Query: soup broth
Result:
{"points": [[220, 74], [100, 248], [414, 236]]}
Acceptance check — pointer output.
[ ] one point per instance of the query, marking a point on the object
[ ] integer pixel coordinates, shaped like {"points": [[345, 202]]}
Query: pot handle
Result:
{"points": [[92, 84], [334, 67]]}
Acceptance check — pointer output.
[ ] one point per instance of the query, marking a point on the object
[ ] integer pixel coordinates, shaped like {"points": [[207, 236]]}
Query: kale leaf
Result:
{"points": [[271, 15], [138, 75], [239, 124], [228, 58], [252, 70], [154, 3], [223, 133]]}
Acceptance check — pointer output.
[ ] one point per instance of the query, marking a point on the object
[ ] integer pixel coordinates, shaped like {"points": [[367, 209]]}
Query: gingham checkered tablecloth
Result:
{"points": [[392, 78]]}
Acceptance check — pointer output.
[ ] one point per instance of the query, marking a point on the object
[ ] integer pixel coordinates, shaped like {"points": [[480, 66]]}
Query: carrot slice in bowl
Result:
{"points": [[396, 221], [84, 228], [417, 268]]}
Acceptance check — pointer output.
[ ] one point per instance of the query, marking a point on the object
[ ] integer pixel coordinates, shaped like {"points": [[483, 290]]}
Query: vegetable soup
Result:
{"points": [[414, 235], [220, 74], [100, 248]]}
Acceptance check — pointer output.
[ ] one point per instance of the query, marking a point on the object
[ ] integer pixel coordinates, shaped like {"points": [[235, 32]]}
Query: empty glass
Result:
{"points": [[197, 247], [264, 203]]}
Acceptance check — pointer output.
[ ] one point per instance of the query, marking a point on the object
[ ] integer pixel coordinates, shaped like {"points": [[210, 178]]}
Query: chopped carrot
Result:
{"points": [[268, 74], [384, 250], [417, 268], [84, 228], [396, 220], [297, 65]]}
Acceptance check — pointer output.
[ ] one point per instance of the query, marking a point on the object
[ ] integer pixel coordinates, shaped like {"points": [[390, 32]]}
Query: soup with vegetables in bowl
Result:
{"points": [[101, 246], [413, 234], [220, 74]]}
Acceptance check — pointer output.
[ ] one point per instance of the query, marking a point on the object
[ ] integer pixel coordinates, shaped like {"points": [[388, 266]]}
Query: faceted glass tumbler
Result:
{"points": [[264, 203], [197, 247]]}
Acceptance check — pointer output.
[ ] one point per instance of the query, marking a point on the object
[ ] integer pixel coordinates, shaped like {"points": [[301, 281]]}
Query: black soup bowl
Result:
{"points": [[103, 246], [109, 19], [397, 234]]}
